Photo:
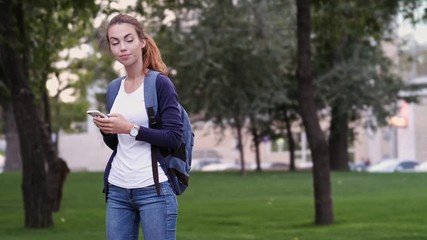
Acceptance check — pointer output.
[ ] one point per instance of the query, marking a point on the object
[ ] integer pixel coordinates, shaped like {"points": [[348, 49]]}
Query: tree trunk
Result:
{"points": [[240, 145], [13, 150], [43, 173], [57, 175], [338, 140], [37, 204], [318, 145], [291, 142], [256, 142]]}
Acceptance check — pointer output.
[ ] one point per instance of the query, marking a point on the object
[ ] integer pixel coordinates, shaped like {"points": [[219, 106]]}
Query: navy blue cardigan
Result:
{"points": [[168, 118]]}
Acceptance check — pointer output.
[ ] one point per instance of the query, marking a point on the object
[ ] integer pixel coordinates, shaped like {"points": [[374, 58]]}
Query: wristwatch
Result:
{"points": [[134, 131]]}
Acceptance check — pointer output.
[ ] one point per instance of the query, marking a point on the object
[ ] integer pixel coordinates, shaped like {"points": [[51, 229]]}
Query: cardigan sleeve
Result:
{"points": [[168, 114]]}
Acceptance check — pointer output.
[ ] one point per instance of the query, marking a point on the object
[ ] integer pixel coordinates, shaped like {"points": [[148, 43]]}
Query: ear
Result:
{"points": [[143, 43]]}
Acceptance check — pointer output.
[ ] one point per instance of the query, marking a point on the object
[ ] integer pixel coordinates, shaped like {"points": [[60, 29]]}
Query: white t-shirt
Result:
{"points": [[131, 167]]}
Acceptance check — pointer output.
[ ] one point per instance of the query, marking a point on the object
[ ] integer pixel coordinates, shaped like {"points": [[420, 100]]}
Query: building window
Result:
{"points": [[278, 145], [282, 145]]}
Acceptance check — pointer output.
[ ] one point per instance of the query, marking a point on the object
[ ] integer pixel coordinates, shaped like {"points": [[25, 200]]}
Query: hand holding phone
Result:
{"points": [[96, 113]]}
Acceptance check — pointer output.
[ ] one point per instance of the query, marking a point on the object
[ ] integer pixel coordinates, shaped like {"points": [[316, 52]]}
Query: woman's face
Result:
{"points": [[125, 44]]}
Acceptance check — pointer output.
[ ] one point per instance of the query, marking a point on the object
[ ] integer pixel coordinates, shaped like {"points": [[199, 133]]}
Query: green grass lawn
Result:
{"points": [[272, 205]]}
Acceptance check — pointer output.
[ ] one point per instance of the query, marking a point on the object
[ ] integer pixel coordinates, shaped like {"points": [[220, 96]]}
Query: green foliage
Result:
{"points": [[273, 205], [233, 60], [365, 80], [48, 27], [51, 26], [352, 72], [69, 113], [335, 19], [408, 9]]}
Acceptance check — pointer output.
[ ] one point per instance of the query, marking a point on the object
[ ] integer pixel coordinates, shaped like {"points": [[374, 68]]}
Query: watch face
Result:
{"points": [[134, 132]]}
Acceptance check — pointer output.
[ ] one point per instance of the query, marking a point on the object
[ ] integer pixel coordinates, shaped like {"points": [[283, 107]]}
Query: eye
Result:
{"points": [[129, 40], [114, 43]]}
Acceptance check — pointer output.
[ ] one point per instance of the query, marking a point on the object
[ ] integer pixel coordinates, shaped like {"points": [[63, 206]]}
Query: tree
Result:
{"points": [[318, 145], [231, 60], [353, 74], [274, 105], [50, 26], [24, 68], [34, 154]]}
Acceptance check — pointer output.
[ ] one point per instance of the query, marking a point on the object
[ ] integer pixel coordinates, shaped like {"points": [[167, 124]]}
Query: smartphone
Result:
{"points": [[96, 113]]}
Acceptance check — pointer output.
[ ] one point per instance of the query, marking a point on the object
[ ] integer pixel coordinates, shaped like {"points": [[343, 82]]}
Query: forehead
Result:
{"points": [[120, 30]]}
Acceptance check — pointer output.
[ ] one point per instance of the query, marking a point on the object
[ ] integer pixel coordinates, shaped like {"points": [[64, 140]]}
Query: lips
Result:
{"points": [[124, 57]]}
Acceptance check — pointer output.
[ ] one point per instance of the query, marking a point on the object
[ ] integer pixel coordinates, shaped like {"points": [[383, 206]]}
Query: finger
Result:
{"points": [[114, 114], [101, 120]]}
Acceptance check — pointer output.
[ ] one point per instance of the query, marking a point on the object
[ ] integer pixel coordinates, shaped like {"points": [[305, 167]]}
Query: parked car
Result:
{"points": [[307, 165], [278, 166], [394, 165], [198, 165], [220, 167], [202, 158], [422, 167], [358, 167], [270, 166]]}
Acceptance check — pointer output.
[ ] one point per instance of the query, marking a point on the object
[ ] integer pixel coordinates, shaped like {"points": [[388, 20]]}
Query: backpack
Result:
{"points": [[177, 162]]}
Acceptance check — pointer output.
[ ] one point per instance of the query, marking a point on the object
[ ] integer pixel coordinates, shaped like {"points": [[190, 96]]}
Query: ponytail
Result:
{"points": [[152, 58]]}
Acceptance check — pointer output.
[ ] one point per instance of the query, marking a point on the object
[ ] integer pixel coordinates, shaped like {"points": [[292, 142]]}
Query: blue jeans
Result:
{"points": [[126, 208]]}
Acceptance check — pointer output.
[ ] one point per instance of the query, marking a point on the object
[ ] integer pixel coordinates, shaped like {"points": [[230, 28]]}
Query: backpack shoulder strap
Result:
{"points": [[150, 98], [112, 91], [150, 95]]}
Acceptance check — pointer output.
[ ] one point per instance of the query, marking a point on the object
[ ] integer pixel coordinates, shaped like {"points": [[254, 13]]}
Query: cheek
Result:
{"points": [[114, 51], [134, 48]]}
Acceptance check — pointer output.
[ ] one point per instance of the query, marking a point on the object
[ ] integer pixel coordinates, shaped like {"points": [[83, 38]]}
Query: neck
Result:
{"points": [[134, 72]]}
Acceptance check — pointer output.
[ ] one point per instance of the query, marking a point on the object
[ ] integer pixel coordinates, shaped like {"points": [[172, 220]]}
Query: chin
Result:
{"points": [[127, 63]]}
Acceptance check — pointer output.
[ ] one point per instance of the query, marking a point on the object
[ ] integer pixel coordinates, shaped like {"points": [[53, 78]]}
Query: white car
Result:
{"points": [[422, 167], [220, 167], [198, 164], [393, 165]]}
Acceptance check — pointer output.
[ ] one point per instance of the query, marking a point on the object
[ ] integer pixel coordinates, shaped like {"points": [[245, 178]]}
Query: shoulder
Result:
{"points": [[164, 82]]}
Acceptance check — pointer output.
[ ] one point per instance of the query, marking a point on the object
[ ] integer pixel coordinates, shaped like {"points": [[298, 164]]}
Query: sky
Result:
{"points": [[419, 31]]}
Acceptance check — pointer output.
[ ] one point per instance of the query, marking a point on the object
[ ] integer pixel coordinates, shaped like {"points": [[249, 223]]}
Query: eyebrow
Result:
{"points": [[127, 35]]}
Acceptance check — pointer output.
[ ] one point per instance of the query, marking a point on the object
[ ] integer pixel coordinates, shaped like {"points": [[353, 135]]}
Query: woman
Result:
{"points": [[131, 195]]}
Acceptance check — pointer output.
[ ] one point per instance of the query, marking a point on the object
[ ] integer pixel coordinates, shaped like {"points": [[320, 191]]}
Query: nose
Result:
{"points": [[122, 46]]}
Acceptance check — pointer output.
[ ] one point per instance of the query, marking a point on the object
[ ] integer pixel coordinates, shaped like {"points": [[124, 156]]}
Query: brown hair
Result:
{"points": [[151, 56]]}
